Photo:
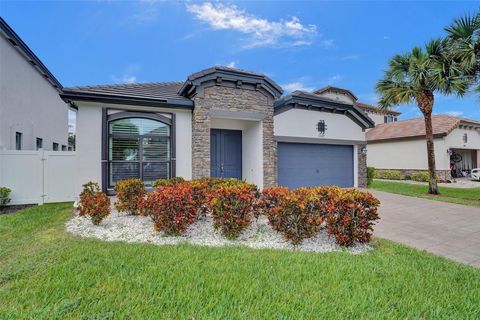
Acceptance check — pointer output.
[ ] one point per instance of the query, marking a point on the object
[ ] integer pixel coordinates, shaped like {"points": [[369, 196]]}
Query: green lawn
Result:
{"points": [[47, 273], [466, 196]]}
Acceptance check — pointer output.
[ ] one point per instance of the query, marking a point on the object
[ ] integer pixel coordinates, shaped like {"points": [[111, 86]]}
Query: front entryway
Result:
{"points": [[226, 153]]}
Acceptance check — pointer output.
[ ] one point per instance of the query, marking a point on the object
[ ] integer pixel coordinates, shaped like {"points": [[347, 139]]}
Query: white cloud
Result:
{"points": [[232, 64], [328, 43], [454, 113], [261, 32], [334, 79], [126, 78], [386, 37], [297, 85]]}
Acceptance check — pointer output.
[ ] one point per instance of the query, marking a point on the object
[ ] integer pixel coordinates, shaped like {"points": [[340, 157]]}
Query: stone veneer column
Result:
{"points": [[362, 166], [200, 140]]}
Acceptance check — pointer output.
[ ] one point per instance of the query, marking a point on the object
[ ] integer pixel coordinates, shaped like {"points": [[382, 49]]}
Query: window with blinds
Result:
{"points": [[138, 148]]}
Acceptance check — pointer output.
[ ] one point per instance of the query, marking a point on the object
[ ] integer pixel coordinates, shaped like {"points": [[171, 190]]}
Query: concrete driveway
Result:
{"points": [[449, 230]]}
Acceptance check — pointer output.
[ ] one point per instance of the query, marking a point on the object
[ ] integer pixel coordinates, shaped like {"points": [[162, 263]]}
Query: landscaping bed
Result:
{"points": [[260, 235]]}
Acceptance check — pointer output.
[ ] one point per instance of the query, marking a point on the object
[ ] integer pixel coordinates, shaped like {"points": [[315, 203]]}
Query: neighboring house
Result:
{"points": [[401, 145], [32, 114], [346, 96], [220, 122]]}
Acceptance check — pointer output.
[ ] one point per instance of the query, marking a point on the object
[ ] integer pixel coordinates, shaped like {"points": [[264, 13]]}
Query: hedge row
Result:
{"points": [[346, 214]]}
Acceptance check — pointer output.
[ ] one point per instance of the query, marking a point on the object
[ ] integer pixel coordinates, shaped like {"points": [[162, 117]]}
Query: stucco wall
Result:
{"points": [[376, 117], [407, 154], [89, 139], [28, 104], [303, 123], [337, 96], [455, 139]]}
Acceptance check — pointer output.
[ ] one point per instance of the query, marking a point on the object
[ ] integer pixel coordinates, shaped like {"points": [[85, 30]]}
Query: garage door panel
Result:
{"points": [[314, 164]]}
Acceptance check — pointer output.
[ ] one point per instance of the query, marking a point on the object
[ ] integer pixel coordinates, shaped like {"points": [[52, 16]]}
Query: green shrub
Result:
{"points": [[233, 207], [167, 182], [4, 196], [370, 174], [93, 203], [388, 174], [422, 176], [130, 193]]}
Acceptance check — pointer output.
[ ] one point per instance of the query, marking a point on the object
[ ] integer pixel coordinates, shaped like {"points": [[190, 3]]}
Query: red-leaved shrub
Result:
{"points": [[172, 208], [233, 206], [130, 193], [93, 203], [296, 214], [351, 215]]}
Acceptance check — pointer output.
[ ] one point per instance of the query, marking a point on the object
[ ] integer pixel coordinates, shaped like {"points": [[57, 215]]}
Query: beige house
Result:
{"points": [[401, 145]]}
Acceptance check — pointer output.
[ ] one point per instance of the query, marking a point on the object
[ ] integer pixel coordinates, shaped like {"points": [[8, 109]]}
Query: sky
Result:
{"points": [[300, 45]]}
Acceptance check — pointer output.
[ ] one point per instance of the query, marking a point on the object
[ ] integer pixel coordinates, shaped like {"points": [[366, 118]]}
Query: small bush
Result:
{"points": [[351, 215], [167, 182], [172, 208], [388, 174], [233, 207], [370, 174], [296, 214], [4, 196], [94, 203], [130, 193], [422, 176]]}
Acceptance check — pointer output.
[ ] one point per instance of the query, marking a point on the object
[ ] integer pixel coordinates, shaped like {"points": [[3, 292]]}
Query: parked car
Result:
{"points": [[476, 174]]}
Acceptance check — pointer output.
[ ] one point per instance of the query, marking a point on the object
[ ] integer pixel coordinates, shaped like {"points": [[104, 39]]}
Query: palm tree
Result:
{"points": [[416, 77], [463, 36]]}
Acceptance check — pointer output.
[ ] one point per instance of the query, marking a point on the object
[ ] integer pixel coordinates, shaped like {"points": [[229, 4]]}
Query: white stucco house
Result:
{"points": [[220, 122], [32, 114], [401, 145]]}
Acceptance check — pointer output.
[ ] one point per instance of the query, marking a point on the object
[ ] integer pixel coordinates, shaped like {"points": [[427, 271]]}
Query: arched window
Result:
{"points": [[138, 147]]}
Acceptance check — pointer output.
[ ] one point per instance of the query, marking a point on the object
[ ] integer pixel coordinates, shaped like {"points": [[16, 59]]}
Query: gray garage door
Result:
{"points": [[301, 165]]}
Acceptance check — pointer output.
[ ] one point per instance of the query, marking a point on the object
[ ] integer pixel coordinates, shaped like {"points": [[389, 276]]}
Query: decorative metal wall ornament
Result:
{"points": [[321, 127], [456, 158]]}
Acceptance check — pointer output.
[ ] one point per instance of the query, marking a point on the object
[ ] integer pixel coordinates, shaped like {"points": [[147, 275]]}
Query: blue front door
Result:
{"points": [[226, 153]]}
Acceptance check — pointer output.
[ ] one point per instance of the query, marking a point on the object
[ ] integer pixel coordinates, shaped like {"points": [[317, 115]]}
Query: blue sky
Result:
{"points": [[300, 45]]}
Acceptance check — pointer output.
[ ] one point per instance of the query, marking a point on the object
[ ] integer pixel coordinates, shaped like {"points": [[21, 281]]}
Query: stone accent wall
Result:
{"points": [[441, 174], [231, 99], [362, 166]]}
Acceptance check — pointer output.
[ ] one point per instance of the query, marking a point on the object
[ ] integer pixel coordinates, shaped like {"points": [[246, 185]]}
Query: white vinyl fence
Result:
{"points": [[37, 177]]}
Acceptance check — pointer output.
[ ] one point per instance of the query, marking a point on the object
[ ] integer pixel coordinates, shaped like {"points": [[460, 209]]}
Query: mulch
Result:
{"points": [[14, 208]]}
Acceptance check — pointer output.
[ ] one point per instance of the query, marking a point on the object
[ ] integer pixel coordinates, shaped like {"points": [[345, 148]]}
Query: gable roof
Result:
{"points": [[364, 106], [230, 74], [149, 94], [413, 128], [28, 54], [311, 101], [370, 107], [333, 88]]}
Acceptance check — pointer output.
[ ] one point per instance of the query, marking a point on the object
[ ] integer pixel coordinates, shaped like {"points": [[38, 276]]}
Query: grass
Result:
{"points": [[466, 196], [47, 273]]}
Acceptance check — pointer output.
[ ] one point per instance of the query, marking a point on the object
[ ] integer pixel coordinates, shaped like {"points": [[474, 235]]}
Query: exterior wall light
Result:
{"points": [[364, 151], [449, 152], [465, 138]]}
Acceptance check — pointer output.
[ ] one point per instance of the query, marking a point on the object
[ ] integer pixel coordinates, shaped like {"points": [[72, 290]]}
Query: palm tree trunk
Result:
{"points": [[425, 103]]}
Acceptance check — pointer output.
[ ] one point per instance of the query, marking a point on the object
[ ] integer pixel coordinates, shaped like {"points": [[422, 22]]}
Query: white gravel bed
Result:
{"points": [[123, 227]]}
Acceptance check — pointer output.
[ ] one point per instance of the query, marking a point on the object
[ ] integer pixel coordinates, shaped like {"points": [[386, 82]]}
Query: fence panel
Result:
{"points": [[38, 176]]}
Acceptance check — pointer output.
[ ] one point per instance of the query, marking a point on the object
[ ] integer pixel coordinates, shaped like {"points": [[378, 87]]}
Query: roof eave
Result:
{"points": [[165, 103]]}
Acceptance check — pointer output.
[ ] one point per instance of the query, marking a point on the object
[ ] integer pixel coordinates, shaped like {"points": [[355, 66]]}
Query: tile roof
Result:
{"points": [[442, 125], [369, 107], [153, 91]]}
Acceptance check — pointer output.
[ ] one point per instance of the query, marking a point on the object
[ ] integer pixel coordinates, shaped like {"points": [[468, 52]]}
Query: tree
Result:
{"points": [[463, 37], [416, 77]]}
